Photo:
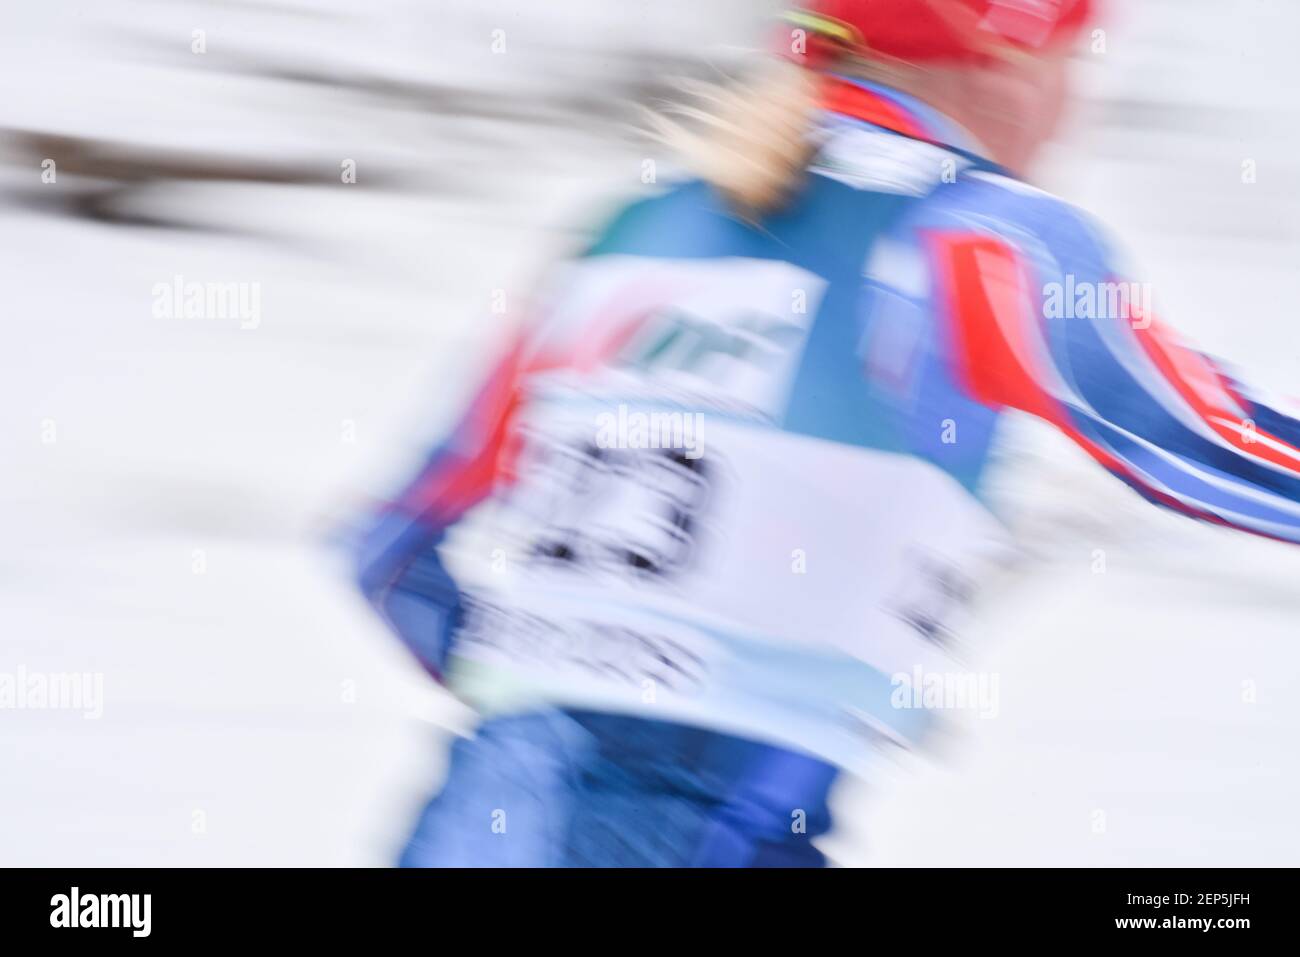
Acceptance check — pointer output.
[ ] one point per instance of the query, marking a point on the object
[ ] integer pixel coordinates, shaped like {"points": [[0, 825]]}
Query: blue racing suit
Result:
{"points": [[727, 488]]}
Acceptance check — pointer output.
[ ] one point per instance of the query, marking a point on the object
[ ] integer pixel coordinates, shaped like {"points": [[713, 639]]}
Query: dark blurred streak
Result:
{"points": [[115, 171], [634, 78], [111, 174]]}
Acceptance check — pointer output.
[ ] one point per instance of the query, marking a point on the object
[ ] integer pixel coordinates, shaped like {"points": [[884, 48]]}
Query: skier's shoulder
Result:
{"points": [[640, 226], [989, 201]]}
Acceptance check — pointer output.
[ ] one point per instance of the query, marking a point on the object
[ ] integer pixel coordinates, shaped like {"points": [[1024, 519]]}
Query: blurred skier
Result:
{"points": [[729, 480]]}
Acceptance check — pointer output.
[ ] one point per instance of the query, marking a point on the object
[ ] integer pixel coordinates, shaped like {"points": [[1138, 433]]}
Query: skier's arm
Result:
{"points": [[397, 562], [1158, 415]]}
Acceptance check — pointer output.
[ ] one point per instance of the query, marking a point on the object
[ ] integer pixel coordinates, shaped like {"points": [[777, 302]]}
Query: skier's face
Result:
{"points": [[1015, 106]]}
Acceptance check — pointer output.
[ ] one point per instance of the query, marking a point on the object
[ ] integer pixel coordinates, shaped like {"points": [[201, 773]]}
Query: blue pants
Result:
{"points": [[578, 789]]}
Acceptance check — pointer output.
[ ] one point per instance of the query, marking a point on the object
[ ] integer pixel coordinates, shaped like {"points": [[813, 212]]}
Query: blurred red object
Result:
{"points": [[924, 31]]}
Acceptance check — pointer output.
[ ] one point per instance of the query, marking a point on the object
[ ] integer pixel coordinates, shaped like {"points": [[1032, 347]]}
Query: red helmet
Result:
{"points": [[937, 30]]}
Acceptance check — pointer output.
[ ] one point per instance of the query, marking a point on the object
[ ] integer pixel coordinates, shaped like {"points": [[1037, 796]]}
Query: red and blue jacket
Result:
{"points": [[941, 293]]}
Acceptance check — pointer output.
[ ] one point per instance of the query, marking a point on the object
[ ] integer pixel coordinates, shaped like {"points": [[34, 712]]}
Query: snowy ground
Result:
{"points": [[170, 483]]}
